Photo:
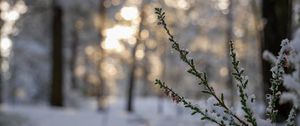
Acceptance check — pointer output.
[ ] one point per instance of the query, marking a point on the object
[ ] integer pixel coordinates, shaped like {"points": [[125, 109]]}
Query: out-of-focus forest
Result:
{"points": [[94, 62]]}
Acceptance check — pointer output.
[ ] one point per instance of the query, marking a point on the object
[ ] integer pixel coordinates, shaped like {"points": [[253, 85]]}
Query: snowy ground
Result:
{"points": [[146, 114]]}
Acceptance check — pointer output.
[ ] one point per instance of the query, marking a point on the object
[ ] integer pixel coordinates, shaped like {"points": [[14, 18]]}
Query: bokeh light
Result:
{"points": [[129, 13]]}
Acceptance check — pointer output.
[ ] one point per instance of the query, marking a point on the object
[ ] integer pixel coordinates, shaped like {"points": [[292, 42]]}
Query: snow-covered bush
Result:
{"points": [[216, 110], [291, 81]]}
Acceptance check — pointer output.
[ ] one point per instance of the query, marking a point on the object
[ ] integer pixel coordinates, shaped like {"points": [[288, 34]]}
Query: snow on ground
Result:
{"points": [[146, 114]]}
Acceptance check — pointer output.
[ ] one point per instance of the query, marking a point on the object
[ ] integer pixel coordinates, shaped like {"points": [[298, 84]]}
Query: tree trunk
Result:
{"points": [[160, 94], [56, 98], [1, 82], [146, 88], [229, 37], [132, 77], [101, 91], [277, 15], [74, 51]]}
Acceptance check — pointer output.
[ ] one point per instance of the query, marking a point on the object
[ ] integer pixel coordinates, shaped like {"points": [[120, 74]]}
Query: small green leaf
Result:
{"points": [[222, 97], [194, 112]]}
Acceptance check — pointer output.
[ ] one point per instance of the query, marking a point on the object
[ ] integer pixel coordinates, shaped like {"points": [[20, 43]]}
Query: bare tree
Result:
{"points": [[102, 86], [1, 84], [56, 94], [145, 66], [132, 76], [74, 50], [229, 37]]}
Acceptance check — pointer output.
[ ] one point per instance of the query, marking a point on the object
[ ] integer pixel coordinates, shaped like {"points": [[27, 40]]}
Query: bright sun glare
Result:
{"points": [[115, 34], [6, 44], [121, 32], [129, 13]]}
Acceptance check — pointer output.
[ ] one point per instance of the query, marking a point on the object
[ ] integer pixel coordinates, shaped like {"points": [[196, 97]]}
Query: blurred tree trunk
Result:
{"points": [[146, 89], [74, 50], [277, 16], [163, 58], [56, 98], [229, 37], [257, 20], [89, 88], [1, 82], [101, 91], [132, 71]]}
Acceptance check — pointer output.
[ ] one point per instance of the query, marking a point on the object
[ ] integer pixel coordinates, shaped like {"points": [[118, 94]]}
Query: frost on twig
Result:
{"points": [[242, 82], [269, 57], [277, 80], [201, 76], [179, 99], [216, 110], [291, 119]]}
